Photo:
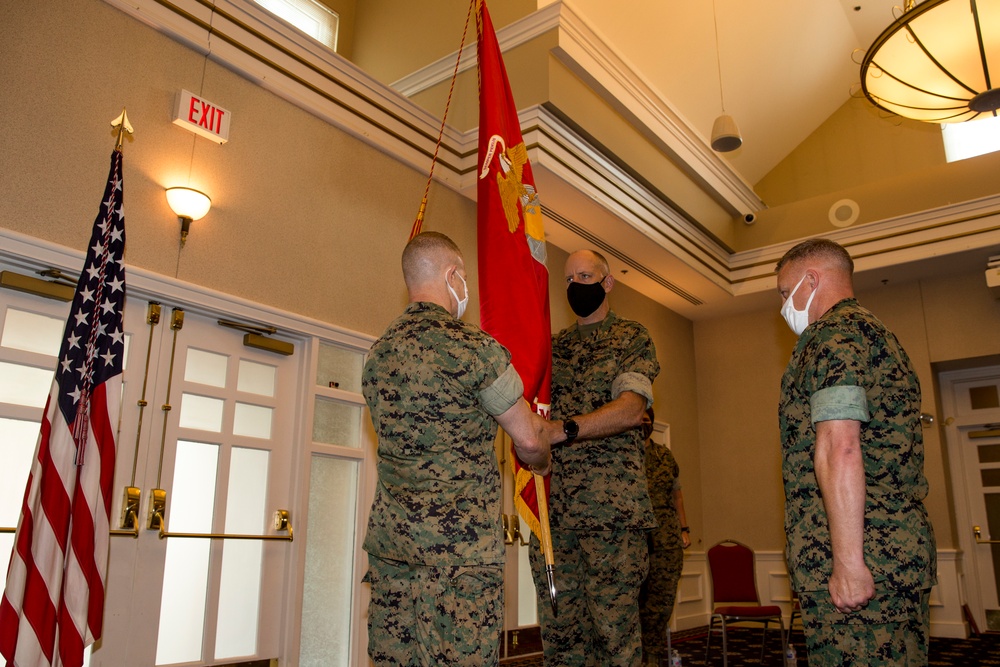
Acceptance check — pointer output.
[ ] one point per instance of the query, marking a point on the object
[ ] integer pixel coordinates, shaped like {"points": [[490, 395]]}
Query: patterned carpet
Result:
{"points": [[744, 649]]}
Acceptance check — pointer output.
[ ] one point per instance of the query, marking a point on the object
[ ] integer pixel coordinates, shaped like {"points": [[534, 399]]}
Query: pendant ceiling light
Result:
{"points": [[725, 135], [938, 62]]}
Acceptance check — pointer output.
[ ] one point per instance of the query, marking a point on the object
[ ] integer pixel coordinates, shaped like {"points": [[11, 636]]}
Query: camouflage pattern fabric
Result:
{"points": [[429, 616], [666, 552], [595, 570], [850, 348], [438, 496], [891, 630], [598, 502], [435, 539], [600, 484]]}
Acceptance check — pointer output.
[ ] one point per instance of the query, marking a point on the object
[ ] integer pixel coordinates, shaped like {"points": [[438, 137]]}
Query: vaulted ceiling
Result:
{"points": [[617, 104]]}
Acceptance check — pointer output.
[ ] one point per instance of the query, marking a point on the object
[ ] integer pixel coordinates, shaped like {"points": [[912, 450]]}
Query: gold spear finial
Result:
{"points": [[121, 122]]}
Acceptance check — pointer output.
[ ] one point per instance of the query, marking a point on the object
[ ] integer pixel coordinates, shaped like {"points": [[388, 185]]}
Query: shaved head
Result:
{"points": [[822, 250], [425, 258]]}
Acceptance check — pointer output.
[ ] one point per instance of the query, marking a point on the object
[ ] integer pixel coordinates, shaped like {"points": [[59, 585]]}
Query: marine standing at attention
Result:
{"points": [[860, 547]]}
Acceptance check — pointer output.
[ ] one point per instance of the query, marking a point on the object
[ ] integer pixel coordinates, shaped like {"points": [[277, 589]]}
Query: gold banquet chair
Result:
{"points": [[734, 595]]}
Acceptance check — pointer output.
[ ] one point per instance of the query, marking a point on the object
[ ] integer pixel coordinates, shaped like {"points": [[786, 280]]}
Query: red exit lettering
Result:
{"points": [[206, 115]]}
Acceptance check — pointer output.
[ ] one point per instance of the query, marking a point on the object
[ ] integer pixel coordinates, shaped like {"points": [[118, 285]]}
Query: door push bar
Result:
{"points": [[977, 531], [157, 509]]}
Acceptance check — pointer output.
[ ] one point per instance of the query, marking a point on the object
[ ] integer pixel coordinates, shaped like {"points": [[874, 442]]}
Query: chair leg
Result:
{"points": [[708, 641], [725, 644], [763, 640]]}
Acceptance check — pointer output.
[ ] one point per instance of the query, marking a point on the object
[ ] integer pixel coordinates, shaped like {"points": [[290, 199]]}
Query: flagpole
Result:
{"points": [[543, 520]]}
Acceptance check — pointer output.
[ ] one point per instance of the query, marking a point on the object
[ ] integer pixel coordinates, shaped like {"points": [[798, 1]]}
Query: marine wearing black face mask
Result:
{"points": [[584, 299]]}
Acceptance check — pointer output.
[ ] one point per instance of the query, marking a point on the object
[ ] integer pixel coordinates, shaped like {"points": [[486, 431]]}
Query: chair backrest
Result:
{"points": [[734, 579]]}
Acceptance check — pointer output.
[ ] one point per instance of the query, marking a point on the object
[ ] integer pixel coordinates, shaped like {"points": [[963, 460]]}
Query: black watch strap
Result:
{"points": [[571, 429]]}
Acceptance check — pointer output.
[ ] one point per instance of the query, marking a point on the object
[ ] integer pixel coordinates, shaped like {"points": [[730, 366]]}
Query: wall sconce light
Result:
{"points": [[189, 205]]}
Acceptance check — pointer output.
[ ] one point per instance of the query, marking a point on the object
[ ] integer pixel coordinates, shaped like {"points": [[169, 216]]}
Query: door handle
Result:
{"points": [[977, 531]]}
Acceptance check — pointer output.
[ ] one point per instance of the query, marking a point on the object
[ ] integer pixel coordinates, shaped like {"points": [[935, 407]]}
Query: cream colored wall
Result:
{"points": [[304, 217], [346, 10], [856, 145], [739, 363], [431, 29], [890, 167], [673, 391]]}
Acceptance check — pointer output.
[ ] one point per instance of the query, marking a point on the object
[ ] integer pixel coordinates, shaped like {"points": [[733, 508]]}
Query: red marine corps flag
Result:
{"points": [[53, 603], [513, 280]]}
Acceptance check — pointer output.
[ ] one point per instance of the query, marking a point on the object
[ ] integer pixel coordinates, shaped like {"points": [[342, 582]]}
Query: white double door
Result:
{"points": [[216, 436], [971, 400]]}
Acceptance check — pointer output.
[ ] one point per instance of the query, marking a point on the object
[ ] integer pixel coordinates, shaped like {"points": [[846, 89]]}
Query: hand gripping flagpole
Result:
{"points": [[546, 539]]}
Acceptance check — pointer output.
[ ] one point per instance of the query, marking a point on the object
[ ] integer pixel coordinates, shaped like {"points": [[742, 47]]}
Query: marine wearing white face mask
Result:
{"points": [[462, 303], [797, 319]]}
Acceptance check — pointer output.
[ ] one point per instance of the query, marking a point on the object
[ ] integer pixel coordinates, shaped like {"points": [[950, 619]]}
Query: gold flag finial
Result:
{"points": [[121, 122]]}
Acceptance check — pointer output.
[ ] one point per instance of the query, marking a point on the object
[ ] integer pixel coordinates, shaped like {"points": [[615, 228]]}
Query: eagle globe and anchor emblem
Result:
{"points": [[513, 190]]}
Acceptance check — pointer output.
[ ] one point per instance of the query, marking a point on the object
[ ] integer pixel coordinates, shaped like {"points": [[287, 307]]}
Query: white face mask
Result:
{"points": [[797, 320], [462, 303]]}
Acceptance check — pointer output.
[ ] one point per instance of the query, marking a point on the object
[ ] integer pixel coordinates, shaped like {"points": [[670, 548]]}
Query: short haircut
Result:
{"points": [[424, 256], [819, 249]]}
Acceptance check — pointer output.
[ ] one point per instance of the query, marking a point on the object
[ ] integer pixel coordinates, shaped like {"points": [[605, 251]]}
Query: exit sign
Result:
{"points": [[202, 117]]}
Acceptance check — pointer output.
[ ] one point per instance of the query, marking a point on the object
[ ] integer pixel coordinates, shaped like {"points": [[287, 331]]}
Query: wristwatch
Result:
{"points": [[571, 429]]}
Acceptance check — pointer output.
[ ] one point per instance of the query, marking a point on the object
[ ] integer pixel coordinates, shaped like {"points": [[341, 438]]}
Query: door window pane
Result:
{"points": [[24, 385], [339, 368], [201, 412], [32, 332], [239, 593], [329, 570], [206, 368], [256, 378], [336, 423], [185, 575], [252, 420], [17, 447]]}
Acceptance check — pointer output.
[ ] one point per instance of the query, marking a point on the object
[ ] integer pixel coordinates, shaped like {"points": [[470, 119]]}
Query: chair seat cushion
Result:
{"points": [[753, 611]]}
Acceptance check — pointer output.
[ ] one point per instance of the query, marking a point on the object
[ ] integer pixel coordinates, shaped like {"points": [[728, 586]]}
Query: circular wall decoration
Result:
{"points": [[844, 213]]}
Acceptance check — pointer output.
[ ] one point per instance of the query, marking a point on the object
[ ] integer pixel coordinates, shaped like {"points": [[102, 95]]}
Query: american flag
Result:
{"points": [[53, 603]]}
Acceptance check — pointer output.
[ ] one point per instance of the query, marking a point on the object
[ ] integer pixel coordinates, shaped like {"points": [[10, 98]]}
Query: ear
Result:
{"points": [[608, 283]]}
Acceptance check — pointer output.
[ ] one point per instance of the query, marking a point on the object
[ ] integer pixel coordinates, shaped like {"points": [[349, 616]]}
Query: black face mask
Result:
{"points": [[585, 299], [647, 430]]}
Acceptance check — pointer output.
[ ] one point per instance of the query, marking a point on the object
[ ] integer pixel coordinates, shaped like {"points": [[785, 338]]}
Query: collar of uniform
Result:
{"points": [[427, 307], [602, 326], [840, 305]]}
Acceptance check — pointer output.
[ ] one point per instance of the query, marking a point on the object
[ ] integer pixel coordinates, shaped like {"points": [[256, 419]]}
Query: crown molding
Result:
{"points": [[898, 240]]}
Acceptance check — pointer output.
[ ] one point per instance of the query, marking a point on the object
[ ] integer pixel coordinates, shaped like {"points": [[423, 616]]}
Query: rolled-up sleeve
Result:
{"points": [[636, 382], [841, 402], [502, 393]]}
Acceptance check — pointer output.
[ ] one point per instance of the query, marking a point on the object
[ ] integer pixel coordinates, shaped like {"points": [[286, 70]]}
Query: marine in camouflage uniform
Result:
{"points": [[848, 366], [666, 551], [434, 385], [599, 507]]}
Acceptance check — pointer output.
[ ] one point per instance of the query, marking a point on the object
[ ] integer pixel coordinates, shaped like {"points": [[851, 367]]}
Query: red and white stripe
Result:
{"points": [[56, 581]]}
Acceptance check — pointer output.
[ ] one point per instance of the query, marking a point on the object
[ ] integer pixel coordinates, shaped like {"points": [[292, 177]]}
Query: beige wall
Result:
{"points": [[740, 360], [431, 29], [889, 166], [297, 204]]}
